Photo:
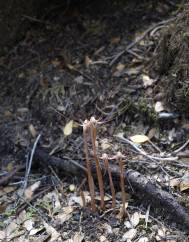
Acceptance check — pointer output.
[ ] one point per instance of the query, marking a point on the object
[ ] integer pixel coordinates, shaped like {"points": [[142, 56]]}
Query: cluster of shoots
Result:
{"points": [[89, 135]]}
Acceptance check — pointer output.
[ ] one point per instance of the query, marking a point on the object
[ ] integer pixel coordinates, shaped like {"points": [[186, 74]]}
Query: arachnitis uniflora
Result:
{"points": [[86, 129], [93, 124], [106, 164], [122, 182]]}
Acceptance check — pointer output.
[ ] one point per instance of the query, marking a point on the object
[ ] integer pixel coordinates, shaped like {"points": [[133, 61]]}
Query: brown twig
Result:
{"points": [[122, 182], [106, 164], [93, 123], [86, 126], [143, 188]]}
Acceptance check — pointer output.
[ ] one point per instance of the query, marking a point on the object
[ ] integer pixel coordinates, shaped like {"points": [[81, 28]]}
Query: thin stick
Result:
{"points": [[122, 182], [93, 123], [153, 158], [106, 164], [88, 165], [28, 168], [181, 148]]}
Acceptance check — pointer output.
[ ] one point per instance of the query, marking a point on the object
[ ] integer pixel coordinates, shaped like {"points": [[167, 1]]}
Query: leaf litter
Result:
{"points": [[72, 88]]}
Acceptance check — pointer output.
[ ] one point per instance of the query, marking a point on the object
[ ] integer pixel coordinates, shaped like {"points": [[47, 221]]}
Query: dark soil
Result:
{"points": [[61, 71]]}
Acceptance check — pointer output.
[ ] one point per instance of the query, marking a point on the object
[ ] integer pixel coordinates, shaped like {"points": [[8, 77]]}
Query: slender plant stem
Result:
{"points": [[106, 164], [88, 165], [122, 182], [98, 168]]}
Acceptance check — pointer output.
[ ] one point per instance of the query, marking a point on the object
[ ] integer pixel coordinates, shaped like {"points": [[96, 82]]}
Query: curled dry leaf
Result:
{"points": [[68, 128], [139, 139]]}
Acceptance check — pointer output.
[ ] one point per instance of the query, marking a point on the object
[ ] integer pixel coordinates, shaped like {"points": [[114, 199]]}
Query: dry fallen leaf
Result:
{"points": [[159, 107], [78, 237], [184, 185], [128, 224], [160, 234], [147, 81], [130, 234], [68, 128], [35, 231], [2, 235], [174, 182], [65, 215], [28, 224], [135, 219], [51, 231], [72, 187], [106, 198], [31, 189], [139, 139], [151, 133], [120, 67], [32, 130], [105, 144], [143, 239], [103, 238], [77, 199], [11, 228]]}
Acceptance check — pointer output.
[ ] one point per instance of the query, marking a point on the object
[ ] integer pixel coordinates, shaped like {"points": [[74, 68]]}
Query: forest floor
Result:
{"points": [[68, 68]]}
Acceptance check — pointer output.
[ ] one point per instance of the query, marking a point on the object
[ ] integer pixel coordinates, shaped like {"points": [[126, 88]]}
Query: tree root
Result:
{"points": [[142, 188]]}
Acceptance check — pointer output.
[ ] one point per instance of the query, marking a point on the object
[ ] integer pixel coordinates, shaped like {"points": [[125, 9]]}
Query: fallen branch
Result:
{"points": [[143, 188]]}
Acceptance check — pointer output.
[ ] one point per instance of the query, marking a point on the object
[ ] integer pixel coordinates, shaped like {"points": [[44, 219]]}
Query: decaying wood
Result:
{"points": [[142, 187]]}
